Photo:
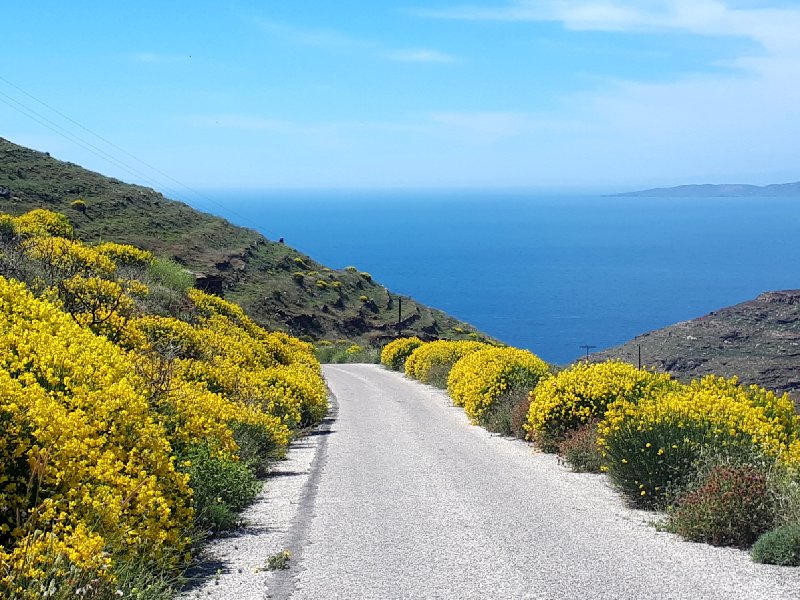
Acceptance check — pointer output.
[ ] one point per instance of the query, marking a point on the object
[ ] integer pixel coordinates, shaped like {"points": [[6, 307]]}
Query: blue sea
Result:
{"points": [[548, 273]]}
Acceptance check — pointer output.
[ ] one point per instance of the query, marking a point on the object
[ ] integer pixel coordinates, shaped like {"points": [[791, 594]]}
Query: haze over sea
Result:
{"points": [[545, 272]]}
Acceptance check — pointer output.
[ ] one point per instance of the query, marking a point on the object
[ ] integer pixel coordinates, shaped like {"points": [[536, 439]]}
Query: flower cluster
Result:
{"points": [[431, 362], [85, 452], [581, 393], [395, 353], [480, 378], [102, 403], [652, 443]]}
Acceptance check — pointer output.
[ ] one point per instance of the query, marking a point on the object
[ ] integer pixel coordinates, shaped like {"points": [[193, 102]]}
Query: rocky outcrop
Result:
{"points": [[758, 341]]}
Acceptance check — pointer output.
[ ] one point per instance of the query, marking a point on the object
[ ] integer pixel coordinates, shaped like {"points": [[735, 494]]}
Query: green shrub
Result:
{"points": [[507, 413], [345, 352], [351, 269], [731, 507], [257, 447], [171, 275], [365, 276], [646, 465], [395, 353], [651, 446], [79, 205], [7, 228], [780, 546], [784, 485], [579, 448], [222, 487]]}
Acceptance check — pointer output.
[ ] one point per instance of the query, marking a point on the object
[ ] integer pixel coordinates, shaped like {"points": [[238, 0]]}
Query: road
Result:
{"points": [[411, 501]]}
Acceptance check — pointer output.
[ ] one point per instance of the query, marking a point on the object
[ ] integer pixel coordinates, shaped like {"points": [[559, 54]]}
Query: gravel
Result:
{"points": [[234, 566], [404, 499]]}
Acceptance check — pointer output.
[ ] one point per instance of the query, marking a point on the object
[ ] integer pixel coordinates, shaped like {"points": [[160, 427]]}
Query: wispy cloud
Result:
{"points": [[776, 29], [326, 133], [421, 56], [482, 124], [331, 39], [313, 36], [257, 124], [156, 58]]}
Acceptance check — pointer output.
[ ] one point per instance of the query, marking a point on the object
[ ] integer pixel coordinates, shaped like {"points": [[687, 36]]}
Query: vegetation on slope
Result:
{"points": [[135, 412], [757, 341], [277, 286]]}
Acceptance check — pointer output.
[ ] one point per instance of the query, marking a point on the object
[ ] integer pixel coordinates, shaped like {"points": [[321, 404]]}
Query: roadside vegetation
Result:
{"points": [[136, 413], [721, 460]]}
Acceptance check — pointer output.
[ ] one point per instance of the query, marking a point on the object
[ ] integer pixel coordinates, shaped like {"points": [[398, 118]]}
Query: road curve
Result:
{"points": [[412, 502]]}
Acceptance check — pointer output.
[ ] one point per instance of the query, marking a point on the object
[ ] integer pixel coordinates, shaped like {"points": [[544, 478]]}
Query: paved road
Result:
{"points": [[411, 501]]}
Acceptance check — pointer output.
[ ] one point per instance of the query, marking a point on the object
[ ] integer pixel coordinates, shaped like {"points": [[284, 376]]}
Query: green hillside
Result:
{"points": [[279, 287]]}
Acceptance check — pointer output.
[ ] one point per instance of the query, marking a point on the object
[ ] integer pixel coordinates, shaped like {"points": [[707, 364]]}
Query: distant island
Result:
{"points": [[725, 190]]}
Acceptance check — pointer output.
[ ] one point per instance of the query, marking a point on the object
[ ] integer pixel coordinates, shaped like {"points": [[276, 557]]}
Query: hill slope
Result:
{"points": [[278, 286], [758, 340], [728, 190]]}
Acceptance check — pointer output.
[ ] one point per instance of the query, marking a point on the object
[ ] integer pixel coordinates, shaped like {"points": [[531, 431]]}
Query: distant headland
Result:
{"points": [[725, 190]]}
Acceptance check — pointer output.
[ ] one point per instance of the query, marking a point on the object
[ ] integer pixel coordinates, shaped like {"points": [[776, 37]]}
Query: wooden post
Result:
{"points": [[399, 315]]}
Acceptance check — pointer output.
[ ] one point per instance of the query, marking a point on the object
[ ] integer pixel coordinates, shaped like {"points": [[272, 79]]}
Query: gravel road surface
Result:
{"points": [[397, 496], [413, 502]]}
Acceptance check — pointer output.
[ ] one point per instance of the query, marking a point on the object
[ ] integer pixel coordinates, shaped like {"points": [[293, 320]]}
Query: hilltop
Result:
{"points": [[726, 190], [758, 340], [279, 287]]}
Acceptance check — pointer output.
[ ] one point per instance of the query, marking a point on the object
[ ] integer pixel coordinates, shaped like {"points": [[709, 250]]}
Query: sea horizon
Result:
{"points": [[552, 273]]}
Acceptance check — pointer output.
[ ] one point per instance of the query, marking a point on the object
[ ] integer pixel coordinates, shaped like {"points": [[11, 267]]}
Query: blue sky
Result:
{"points": [[376, 93]]}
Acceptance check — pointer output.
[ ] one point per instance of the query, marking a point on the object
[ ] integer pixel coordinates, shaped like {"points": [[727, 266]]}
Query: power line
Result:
{"points": [[86, 145]]}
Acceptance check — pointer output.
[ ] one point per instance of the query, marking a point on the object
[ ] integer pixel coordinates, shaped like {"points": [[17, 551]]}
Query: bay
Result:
{"points": [[550, 273]]}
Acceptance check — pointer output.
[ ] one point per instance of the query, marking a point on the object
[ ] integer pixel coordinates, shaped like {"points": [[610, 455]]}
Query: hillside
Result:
{"points": [[757, 340], [278, 286], [727, 190]]}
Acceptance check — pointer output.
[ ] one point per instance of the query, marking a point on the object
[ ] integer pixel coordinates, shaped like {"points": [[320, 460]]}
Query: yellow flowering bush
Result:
{"points": [[431, 363], [125, 254], [480, 378], [395, 353], [41, 222], [90, 444], [61, 258], [581, 393], [652, 444], [118, 427], [102, 305], [270, 370]]}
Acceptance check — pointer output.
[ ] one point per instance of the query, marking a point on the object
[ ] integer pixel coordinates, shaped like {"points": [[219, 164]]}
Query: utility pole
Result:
{"points": [[399, 315], [587, 348]]}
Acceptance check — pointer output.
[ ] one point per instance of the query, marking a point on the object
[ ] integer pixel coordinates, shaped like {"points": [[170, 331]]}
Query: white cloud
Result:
{"points": [[480, 124], [776, 29], [741, 121], [335, 134], [331, 39], [311, 36], [421, 56], [156, 58]]}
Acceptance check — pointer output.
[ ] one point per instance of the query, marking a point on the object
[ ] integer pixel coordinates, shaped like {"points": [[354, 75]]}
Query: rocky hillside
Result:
{"points": [[725, 190], [278, 286], [757, 340]]}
